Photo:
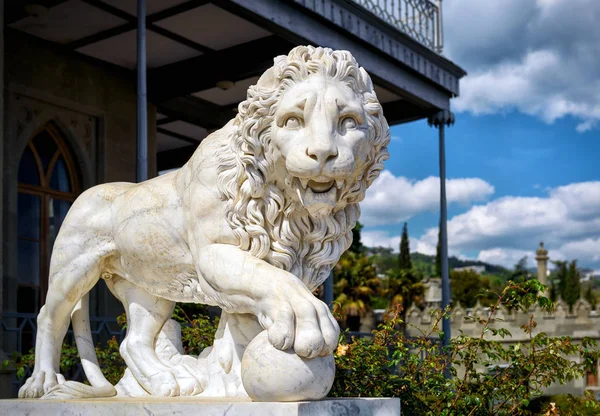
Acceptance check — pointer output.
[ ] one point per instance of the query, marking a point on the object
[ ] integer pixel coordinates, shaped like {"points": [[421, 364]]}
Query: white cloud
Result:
{"points": [[538, 57], [501, 231], [506, 257], [586, 251], [392, 199], [380, 239], [505, 229], [586, 126], [425, 248], [581, 199]]}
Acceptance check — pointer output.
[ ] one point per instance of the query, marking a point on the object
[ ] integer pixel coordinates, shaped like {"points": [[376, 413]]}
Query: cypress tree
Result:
{"points": [[561, 276], [357, 245], [438, 253], [553, 295], [591, 297], [404, 262], [573, 285]]}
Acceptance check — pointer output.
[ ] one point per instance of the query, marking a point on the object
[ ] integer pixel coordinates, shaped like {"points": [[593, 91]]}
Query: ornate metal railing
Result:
{"points": [[420, 19], [19, 331]]}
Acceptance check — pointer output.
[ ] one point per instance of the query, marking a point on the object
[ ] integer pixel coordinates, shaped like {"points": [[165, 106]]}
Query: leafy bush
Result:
{"points": [[197, 330], [567, 404], [197, 333], [488, 375], [109, 358]]}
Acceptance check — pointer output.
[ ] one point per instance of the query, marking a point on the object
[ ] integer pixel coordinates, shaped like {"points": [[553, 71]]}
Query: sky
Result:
{"points": [[523, 158]]}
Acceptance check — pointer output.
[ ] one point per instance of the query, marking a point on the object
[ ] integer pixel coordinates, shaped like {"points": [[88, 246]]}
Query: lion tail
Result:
{"points": [[100, 386]]}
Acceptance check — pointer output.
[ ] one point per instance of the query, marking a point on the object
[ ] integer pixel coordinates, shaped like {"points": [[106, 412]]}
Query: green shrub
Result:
{"points": [[486, 376], [109, 358], [197, 332]]}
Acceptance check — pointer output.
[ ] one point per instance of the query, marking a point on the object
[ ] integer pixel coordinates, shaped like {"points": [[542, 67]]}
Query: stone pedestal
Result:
{"points": [[204, 407]]}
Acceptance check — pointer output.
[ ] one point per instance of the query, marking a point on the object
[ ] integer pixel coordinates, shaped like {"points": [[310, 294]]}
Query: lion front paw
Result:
{"points": [[300, 320]]}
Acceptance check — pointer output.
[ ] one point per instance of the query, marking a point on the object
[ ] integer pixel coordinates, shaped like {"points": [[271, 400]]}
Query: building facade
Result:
{"points": [[68, 102]]}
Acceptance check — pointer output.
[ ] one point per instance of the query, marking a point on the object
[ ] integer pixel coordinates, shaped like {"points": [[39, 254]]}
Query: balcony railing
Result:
{"points": [[20, 329], [420, 19]]}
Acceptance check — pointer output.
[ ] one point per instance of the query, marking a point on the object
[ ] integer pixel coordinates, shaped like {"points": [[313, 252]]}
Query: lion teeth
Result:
{"points": [[300, 196], [304, 182], [339, 183]]}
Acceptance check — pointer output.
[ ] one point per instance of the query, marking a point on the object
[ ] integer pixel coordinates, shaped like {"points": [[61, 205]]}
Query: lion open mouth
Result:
{"points": [[320, 187], [320, 184], [318, 192]]}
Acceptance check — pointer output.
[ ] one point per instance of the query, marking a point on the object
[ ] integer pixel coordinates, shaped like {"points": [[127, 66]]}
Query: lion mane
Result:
{"points": [[268, 224]]}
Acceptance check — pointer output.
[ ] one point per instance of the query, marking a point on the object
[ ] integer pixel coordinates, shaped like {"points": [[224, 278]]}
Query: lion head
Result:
{"points": [[308, 141]]}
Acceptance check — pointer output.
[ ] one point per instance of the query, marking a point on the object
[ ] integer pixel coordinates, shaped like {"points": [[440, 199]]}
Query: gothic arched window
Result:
{"points": [[47, 184]]}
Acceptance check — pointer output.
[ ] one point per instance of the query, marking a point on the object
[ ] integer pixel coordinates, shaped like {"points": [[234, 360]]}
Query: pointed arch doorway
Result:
{"points": [[48, 183]]}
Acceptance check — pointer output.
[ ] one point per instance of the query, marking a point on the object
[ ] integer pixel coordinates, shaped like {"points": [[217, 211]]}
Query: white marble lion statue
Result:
{"points": [[252, 223]]}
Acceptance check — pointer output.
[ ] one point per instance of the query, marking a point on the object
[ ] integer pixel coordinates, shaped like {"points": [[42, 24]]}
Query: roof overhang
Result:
{"points": [[203, 55]]}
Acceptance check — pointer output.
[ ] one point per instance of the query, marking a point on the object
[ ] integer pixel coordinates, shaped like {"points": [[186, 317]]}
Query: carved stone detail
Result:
{"points": [[80, 125], [253, 223]]}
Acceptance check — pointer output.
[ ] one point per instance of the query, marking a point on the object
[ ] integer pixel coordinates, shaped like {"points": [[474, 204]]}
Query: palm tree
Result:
{"points": [[356, 282], [404, 288]]}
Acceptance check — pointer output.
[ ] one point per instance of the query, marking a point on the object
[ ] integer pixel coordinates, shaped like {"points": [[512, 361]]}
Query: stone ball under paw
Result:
{"points": [[269, 374]]}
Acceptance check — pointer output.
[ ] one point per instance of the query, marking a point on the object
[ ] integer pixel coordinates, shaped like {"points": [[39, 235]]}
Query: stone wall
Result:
{"points": [[578, 323], [93, 105], [65, 80]]}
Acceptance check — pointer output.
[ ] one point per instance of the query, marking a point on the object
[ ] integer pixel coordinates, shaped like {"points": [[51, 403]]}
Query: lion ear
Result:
{"points": [[268, 80]]}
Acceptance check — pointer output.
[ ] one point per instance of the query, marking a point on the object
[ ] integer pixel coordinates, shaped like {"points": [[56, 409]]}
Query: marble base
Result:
{"points": [[204, 407]]}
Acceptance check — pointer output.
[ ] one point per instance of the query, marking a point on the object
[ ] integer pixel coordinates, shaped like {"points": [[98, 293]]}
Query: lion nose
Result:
{"points": [[322, 152]]}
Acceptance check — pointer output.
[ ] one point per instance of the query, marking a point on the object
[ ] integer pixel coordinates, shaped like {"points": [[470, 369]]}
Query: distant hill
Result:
{"points": [[454, 262], [385, 259]]}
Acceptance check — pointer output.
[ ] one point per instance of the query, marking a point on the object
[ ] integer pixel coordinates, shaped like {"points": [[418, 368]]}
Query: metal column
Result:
{"points": [[142, 116], [441, 120], [2, 144]]}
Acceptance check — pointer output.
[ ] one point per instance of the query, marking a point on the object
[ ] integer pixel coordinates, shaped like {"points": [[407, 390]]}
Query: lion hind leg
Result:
{"points": [[80, 319], [76, 390], [71, 280], [100, 386]]}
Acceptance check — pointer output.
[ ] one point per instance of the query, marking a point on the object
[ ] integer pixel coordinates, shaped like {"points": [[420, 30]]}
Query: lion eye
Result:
{"points": [[292, 123], [348, 123]]}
